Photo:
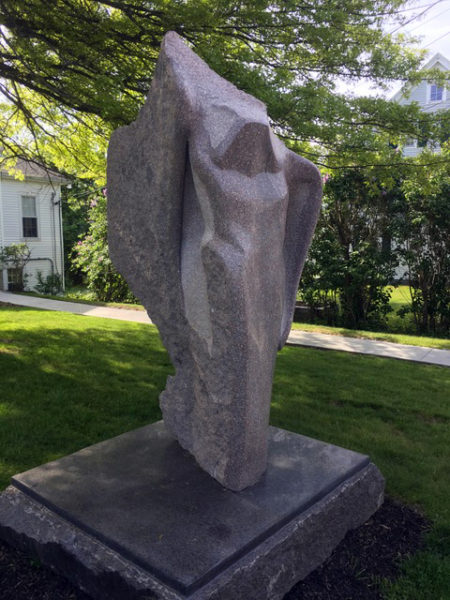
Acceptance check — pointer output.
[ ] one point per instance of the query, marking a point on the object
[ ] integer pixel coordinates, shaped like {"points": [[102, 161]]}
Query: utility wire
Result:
{"points": [[415, 16], [411, 8], [437, 39], [89, 192], [428, 20]]}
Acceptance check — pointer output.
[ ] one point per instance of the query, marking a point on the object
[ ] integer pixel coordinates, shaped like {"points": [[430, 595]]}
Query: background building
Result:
{"points": [[30, 212], [431, 98]]}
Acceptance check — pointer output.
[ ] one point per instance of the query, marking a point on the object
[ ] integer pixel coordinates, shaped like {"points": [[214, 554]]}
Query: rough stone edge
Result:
{"points": [[270, 570], [87, 563], [267, 572]]}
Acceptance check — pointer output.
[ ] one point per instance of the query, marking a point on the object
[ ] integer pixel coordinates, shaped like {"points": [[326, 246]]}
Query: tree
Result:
{"points": [[76, 205], [423, 233], [92, 258], [73, 72], [349, 267]]}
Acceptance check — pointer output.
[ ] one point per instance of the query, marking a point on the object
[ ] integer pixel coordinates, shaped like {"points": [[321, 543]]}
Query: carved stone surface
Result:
{"points": [[210, 218]]}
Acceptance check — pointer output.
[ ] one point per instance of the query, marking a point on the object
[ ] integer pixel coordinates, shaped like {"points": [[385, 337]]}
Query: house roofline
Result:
{"points": [[33, 172], [51, 178], [438, 57]]}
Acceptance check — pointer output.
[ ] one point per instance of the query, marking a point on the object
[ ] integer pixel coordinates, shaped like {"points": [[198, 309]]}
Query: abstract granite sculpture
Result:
{"points": [[210, 218]]}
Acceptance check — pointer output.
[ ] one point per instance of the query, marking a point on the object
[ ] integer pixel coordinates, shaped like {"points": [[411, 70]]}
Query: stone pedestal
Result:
{"points": [[135, 517]]}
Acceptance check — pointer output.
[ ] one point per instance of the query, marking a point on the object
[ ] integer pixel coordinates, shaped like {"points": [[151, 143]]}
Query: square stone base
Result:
{"points": [[135, 517]]}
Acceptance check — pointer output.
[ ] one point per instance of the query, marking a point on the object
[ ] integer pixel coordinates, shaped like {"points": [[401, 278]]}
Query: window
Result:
{"points": [[436, 93], [29, 217], [15, 280], [411, 142]]}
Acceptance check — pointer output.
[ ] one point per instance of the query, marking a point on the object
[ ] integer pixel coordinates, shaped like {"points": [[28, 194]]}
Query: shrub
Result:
{"points": [[348, 267], [424, 236], [91, 256], [51, 285]]}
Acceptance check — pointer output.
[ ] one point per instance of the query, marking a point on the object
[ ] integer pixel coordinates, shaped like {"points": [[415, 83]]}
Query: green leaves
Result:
{"points": [[74, 70], [92, 257], [424, 235], [348, 269]]}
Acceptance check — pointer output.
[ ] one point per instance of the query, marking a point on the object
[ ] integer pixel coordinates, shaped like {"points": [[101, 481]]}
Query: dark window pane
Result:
{"points": [[436, 93], [29, 227], [14, 276]]}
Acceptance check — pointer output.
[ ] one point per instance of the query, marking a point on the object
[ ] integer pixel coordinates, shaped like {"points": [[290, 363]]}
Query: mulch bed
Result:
{"points": [[374, 550]]}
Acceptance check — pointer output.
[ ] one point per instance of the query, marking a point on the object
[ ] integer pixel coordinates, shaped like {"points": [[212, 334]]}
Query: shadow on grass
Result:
{"points": [[396, 412], [64, 389]]}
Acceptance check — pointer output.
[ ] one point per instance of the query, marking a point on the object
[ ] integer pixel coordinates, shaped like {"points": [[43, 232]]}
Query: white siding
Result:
{"points": [[421, 94], [48, 243], [417, 94], [3, 281], [411, 150]]}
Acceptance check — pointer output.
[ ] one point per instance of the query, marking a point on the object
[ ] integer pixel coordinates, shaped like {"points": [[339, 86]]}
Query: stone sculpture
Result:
{"points": [[210, 218]]}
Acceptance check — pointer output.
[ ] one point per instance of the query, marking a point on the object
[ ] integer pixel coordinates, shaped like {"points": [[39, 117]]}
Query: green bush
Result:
{"points": [[91, 256], [423, 232], [50, 285], [348, 268]]}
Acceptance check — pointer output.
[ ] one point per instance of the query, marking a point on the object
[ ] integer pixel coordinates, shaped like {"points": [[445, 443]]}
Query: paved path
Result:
{"points": [[296, 337], [419, 354], [89, 310]]}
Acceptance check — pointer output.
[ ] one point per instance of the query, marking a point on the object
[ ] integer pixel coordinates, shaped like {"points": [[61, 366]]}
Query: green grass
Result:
{"points": [[399, 328], [400, 296], [398, 338], [70, 381], [83, 296]]}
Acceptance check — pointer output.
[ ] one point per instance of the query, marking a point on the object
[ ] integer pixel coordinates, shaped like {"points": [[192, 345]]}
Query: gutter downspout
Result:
{"points": [[52, 204], [60, 230], [52, 264], [61, 242]]}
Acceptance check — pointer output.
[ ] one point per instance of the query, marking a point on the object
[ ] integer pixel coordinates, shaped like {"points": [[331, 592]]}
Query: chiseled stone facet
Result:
{"points": [[210, 218]]}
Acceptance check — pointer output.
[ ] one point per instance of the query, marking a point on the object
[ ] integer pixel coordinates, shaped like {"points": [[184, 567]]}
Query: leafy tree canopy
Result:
{"points": [[73, 70]]}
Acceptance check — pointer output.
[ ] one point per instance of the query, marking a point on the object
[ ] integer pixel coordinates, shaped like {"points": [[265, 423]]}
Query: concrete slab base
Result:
{"points": [[135, 517]]}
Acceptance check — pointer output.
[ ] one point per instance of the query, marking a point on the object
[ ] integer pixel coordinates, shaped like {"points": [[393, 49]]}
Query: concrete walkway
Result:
{"points": [[418, 354], [89, 310], [376, 348]]}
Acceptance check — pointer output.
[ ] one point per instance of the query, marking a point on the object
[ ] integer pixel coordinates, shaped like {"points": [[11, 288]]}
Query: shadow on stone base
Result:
{"points": [[135, 517]]}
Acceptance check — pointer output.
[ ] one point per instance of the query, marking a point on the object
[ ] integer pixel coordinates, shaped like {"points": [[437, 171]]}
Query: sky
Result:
{"points": [[430, 21]]}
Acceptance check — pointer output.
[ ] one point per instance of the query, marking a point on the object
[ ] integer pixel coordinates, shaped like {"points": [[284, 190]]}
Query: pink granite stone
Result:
{"points": [[210, 218]]}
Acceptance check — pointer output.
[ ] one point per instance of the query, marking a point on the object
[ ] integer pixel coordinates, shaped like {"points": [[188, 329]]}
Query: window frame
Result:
{"points": [[36, 217], [436, 87], [411, 142]]}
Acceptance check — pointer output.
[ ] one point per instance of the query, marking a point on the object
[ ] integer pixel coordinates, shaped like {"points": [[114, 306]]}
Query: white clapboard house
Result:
{"points": [[431, 98], [30, 212]]}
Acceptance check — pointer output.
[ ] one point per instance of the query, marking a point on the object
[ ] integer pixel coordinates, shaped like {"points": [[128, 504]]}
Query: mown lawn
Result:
{"points": [[399, 330], [69, 381], [397, 338]]}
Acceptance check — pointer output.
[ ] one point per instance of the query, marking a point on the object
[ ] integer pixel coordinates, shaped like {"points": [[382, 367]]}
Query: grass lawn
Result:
{"points": [[398, 338], [399, 328], [70, 381], [400, 296]]}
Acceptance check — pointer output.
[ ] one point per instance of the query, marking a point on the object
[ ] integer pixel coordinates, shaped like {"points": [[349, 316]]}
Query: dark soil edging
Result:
{"points": [[371, 552]]}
